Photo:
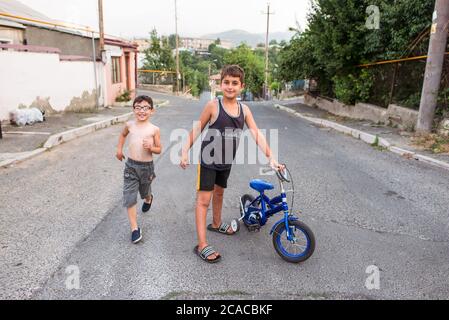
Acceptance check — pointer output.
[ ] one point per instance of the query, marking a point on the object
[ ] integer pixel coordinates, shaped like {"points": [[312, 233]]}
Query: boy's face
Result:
{"points": [[143, 110], [231, 87]]}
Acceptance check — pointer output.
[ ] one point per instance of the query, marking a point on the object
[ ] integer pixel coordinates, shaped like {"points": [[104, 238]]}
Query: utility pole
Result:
{"points": [[434, 67], [268, 13], [100, 15], [177, 47]]}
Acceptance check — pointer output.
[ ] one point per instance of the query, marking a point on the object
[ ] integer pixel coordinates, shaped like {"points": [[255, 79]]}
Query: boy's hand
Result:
{"points": [[184, 161], [148, 143], [120, 155], [275, 165]]}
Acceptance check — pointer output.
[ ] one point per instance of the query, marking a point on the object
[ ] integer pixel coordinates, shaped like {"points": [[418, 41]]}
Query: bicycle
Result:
{"points": [[288, 233]]}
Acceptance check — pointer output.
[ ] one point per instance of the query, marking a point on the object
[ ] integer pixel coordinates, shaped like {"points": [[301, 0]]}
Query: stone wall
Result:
{"points": [[401, 117]]}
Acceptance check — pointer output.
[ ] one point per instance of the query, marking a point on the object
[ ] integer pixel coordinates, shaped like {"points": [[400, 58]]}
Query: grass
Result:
{"points": [[432, 142], [231, 293], [173, 295], [377, 146]]}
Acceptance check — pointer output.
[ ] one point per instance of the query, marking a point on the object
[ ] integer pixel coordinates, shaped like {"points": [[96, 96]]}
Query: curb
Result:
{"points": [[163, 104], [367, 138], [66, 136], [69, 135], [27, 155]]}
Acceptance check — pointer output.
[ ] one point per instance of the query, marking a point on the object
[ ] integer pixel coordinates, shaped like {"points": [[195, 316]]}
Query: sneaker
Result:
{"points": [[147, 206], [136, 236]]}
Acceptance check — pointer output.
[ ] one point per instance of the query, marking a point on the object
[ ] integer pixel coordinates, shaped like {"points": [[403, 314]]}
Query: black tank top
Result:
{"points": [[221, 142]]}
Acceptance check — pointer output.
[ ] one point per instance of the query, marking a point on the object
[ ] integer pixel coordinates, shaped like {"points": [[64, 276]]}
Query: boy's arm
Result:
{"points": [[205, 117], [259, 138], [121, 142], [157, 148]]}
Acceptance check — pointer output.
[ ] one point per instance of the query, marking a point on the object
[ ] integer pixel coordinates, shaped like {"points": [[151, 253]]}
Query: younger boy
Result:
{"points": [[226, 118], [144, 141]]}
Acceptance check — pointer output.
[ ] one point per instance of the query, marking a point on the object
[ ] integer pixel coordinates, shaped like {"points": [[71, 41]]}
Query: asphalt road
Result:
{"points": [[366, 207]]}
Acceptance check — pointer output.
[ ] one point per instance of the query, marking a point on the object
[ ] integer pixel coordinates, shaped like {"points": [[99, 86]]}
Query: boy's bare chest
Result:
{"points": [[138, 134]]}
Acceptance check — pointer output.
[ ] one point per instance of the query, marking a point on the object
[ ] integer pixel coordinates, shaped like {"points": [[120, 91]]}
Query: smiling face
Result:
{"points": [[142, 111], [231, 87]]}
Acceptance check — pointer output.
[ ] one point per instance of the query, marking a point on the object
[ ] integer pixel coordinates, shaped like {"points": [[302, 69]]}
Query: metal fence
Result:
{"points": [[156, 77], [401, 83]]}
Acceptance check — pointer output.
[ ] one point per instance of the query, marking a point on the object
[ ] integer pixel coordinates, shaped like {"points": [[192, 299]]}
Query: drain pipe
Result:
{"points": [[94, 51]]}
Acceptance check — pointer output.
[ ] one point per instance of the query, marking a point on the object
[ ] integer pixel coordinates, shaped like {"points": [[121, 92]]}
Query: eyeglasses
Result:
{"points": [[146, 108]]}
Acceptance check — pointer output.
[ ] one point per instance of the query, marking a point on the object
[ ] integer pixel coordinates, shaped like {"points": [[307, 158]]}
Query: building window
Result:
{"points": [[116, 76]]}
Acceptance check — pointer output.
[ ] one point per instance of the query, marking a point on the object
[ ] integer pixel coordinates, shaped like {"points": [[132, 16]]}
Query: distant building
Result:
{"points": [[200, 44], [56, 67]]}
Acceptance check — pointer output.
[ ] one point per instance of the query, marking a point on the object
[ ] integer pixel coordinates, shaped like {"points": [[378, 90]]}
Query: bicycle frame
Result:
{"points": [[275, 205]]}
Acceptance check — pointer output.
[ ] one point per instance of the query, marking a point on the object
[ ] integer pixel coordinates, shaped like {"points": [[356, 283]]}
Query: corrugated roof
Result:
{"points": [[19, 9], [16, 8], [11, 24]]}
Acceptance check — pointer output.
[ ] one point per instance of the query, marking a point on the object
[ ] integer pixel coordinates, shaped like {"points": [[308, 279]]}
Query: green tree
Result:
{"points": [[252, 64], [337, 40], [217, 55], [172, 41], [159, 55]]}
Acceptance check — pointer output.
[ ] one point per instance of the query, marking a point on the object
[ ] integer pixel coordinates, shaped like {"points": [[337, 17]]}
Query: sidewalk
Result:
{"points": [[389, 138], [20, 143]]}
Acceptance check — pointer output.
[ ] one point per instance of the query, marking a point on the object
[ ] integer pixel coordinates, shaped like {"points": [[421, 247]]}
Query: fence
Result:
{"points": [[400, 82], [156, 77]]}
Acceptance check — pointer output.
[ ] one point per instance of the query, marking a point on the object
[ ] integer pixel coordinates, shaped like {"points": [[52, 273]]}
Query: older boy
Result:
{"points": [[144, 141], [226, 118]]}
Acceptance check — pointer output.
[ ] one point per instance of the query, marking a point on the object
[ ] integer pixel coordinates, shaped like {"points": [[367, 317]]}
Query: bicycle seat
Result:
{"points": [[261, 185]]}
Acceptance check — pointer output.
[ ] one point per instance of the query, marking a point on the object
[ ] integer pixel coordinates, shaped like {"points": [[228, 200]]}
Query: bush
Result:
{"points": [[124, 97], [350, 89]]}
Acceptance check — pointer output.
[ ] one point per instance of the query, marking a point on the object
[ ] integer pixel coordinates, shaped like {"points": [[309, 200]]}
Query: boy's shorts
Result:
{"points": [[138, 177], [208, 178]]}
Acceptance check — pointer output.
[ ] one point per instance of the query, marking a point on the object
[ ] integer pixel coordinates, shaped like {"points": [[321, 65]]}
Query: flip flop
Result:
{"points": [[223, 229], [206, 253]]}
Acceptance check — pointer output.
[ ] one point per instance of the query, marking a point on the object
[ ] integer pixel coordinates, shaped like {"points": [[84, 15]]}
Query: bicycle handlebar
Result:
{"points": [[281, 174]]}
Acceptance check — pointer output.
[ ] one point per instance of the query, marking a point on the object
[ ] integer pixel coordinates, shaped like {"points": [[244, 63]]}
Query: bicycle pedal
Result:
{"points": [[253, 228]]}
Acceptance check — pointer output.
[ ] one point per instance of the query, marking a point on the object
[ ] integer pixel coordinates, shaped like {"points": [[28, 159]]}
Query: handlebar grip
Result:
{"points": [[267, 170]]}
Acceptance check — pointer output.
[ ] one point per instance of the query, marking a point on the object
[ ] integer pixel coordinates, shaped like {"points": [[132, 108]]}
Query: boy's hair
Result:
{"points": [[139, 99], [233, 71]]}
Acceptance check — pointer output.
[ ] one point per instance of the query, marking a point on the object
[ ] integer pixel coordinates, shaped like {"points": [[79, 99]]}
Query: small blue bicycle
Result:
{"points": [[292, 239]]}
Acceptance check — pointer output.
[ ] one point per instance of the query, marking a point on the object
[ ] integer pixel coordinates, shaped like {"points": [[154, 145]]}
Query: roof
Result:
{"points": [[16, 8], [12, 24], [19, 9]]}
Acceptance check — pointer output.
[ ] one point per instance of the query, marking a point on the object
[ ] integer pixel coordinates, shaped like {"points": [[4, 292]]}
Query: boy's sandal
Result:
{"points": [[206, 253], [224, 227]]}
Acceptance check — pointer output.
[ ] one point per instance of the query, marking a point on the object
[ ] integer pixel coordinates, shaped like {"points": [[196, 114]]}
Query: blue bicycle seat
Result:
{"points": [[261, 185]]}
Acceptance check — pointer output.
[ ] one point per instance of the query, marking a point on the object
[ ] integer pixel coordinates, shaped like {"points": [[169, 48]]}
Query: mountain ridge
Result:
{"points": [[237, 36]]}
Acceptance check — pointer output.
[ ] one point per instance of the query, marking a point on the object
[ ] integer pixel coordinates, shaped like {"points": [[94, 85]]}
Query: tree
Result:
{"points": [[159, 55], [217, 55], [337, 40], [252, 64], [172, 41]]}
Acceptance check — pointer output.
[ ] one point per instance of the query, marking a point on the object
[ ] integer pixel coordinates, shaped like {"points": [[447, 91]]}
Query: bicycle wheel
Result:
{"points": [[298, 250]]}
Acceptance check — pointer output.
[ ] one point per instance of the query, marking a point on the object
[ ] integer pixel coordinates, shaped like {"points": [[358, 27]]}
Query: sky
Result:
{"points": [[195, 17]]}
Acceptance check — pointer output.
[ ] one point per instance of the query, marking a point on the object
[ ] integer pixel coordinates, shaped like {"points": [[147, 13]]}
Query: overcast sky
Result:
{"points": [[195, 17]]}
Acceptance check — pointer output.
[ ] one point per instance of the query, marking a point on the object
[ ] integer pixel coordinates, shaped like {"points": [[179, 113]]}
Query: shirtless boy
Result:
{"points": [[144, 141]]}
